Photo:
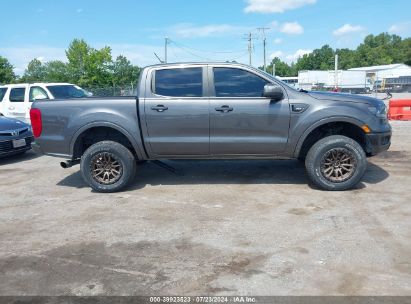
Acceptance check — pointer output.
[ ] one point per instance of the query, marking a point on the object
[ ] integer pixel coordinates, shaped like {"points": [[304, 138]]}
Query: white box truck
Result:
{"points": [[346, 81]]}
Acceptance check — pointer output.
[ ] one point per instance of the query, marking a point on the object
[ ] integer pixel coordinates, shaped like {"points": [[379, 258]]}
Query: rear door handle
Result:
{"points": [[159, 108], [224, 109]]}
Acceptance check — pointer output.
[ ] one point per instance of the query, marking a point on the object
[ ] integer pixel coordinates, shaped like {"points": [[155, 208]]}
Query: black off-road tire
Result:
{"points": [[126, 164], [315, 162]]}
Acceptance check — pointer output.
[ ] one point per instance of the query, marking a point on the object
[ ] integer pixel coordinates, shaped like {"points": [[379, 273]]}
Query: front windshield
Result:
{"points": [[66, 91], [275, 79]]}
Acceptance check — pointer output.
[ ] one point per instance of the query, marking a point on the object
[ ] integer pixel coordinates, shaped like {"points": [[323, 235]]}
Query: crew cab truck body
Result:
{"points": [[211, 111]]}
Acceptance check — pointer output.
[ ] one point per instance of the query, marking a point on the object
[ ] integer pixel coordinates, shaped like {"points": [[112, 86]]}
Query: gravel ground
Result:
{"points": [[217, 228]]}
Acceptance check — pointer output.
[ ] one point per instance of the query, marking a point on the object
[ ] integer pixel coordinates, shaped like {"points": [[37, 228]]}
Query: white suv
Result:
{"points": [[16, 99]]}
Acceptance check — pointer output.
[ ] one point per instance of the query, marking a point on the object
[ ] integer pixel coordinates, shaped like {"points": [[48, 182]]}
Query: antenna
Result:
{"points": [[161, 61]]}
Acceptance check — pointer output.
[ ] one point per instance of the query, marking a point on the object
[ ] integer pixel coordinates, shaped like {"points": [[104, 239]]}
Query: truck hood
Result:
{"points": [[7, 124], [345, 97]]}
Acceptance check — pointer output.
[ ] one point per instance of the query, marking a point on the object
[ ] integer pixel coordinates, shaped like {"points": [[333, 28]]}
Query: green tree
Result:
{"points": [[6, 71], [319, 59], [87, 66], [281, 68], [35, 72], [407, 51], [346, 58], [123, 72], [57, 71], [374, 50]]}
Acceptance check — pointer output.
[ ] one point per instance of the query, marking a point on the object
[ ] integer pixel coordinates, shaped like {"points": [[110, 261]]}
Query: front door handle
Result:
{"points": [[224, 109], [159, 108]]}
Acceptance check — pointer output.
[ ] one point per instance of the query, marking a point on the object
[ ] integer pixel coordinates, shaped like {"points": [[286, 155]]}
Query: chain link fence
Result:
{"points": [[113, 91]]}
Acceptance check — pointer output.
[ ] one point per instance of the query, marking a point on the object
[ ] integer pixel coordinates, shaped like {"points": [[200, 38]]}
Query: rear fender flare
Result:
{"points": [[137, 147]]}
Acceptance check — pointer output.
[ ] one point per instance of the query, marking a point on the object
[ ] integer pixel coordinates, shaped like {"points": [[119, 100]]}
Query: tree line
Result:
{"points": [[85, 66], [95, 68], [374, 50]]}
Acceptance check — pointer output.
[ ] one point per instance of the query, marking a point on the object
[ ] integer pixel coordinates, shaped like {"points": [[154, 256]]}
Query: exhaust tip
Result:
{"points": [[64, 165]]}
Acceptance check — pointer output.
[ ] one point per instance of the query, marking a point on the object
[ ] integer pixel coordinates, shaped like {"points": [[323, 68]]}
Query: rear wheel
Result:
{"points": [[108, 166], [336, 163]]}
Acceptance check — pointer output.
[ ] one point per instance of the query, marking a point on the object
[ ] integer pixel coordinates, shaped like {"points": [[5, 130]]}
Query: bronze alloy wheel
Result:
{"points": [[105, 168], [338, 165]]}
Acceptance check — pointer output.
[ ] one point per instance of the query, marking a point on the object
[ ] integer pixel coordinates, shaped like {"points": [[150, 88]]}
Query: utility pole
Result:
{"points": [[250, 47], [274, 69], [263, 29], [336, 72], [166, 42]]}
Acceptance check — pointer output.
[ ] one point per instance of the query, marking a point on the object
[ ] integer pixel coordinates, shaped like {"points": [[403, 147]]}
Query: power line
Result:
{"points": [[175, 55], [188, 51], [205, 51]]}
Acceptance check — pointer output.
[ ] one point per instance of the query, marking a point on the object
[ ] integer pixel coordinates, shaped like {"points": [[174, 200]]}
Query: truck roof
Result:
{"points": [[198, 63], [11, 85]]}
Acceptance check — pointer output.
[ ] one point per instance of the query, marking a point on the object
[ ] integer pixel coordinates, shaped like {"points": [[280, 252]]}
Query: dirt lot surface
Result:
{"points": [[222, 228]]}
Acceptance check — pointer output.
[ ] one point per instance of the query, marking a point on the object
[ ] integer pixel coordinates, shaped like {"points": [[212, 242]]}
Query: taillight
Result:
{"points": [[36, 123]]}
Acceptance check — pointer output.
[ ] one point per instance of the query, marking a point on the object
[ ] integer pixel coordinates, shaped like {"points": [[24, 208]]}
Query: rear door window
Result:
{"points": [[17, 94], [37, 93], [183, 82], [2, 93]]}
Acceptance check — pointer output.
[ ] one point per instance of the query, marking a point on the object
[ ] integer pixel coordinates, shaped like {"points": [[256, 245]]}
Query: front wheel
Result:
{"points": [[108, 166], [336, 163]]}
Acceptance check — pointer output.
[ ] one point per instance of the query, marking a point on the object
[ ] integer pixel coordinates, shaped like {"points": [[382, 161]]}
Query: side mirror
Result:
{"points": [[273, 91]]}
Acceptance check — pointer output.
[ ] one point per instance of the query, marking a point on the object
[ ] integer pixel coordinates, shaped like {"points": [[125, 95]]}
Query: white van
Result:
{"points": [[16, 99]]}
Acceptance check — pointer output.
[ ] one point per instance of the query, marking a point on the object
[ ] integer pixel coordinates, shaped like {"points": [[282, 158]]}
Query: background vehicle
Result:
{"points": [[16, 99], [206, 110], [291, 81], [15, 136], [347, 81]]}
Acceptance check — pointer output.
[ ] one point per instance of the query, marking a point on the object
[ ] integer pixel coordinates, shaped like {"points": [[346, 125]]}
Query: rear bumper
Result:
{"points": [[377, 142], [36, 148]]}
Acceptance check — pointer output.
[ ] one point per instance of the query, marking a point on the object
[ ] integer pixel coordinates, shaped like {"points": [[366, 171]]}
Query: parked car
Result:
{"points": [[213, 111], [16, 99], [15, 136]]}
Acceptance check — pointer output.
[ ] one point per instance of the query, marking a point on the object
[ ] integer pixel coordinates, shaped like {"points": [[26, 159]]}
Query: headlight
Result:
{"points": [[380, 110]]}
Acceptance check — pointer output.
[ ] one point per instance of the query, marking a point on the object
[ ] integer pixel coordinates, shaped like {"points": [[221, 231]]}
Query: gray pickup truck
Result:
{"points": [[213, 111]]}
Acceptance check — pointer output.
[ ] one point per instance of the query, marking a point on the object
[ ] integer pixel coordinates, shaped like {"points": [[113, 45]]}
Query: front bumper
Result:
{"points": [[377, 142], [7, 149]]}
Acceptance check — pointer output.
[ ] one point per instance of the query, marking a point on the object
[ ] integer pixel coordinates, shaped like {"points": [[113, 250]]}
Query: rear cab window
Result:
{"points": [[179, 82], [17, 94]]}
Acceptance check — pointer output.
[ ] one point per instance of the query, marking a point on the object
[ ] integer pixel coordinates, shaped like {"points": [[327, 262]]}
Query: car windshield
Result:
{"points": [[276, 79], [66, 91], [2, 93]]}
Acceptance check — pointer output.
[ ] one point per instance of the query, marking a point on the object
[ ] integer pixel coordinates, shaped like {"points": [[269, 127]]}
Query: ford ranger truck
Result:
{"points": [[212, 111]]}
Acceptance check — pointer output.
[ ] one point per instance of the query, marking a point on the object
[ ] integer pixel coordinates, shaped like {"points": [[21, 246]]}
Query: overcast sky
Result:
{"points": [[199, 29]]}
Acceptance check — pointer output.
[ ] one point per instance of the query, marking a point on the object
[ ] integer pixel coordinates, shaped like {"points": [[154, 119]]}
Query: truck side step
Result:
{"points": [[167, 167]]}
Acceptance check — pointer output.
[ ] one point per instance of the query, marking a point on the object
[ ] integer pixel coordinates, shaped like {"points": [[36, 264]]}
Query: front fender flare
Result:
{"points": [[304, 135]]}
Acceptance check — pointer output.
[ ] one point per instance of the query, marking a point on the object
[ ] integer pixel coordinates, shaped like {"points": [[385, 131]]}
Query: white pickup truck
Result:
{"points": [[16, 99]]}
